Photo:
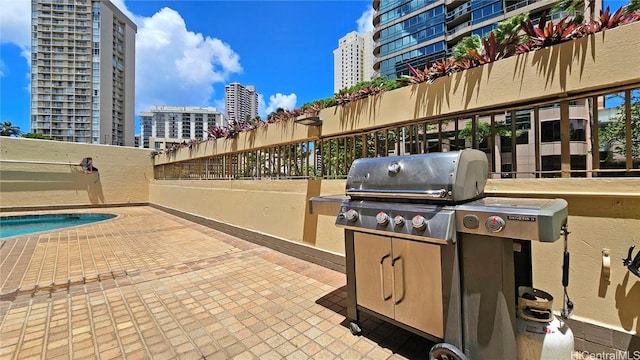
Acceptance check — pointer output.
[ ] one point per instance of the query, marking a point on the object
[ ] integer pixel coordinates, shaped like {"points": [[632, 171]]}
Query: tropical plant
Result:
{"points": [[633, 6], [507, 27], [608, 20], [492, 50], [546, 33], [31, 135], [318, 105], [9, 130], [444, 67], [417, 76], [460, 50], [217, 132], [365, 89]]}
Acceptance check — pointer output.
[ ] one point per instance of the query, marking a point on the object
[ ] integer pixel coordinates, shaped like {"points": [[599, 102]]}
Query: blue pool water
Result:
{"points": [[27, 224]]}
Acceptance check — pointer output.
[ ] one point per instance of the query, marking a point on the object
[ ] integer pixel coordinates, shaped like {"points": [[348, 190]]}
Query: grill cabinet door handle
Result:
{"points": [[398, 299], [384, 297]]}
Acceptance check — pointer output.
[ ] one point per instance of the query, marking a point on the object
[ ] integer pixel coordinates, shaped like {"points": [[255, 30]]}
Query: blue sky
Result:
{"points": [[284, 48], [186, 51]]}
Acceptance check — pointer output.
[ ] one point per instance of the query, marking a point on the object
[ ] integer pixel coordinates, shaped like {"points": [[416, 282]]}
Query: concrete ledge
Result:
{"points": [[300, 251], [68, 207]]}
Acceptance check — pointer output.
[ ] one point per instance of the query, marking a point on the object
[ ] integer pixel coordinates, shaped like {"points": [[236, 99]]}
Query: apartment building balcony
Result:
{"points": [[460, 14], [459, 31]]}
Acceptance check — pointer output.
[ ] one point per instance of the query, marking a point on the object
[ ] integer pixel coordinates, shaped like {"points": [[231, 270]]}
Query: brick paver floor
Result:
{"points": [[149, 285]]}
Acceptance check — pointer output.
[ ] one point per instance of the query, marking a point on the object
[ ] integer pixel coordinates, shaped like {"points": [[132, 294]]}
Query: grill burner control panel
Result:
{"points": [[424, 222], [521, 218]]}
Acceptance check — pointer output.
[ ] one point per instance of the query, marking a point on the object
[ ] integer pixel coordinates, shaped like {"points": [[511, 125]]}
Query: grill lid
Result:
{"points": [[451, 177]]}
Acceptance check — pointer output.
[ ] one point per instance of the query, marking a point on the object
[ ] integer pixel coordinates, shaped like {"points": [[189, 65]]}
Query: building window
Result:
{"points": [[553, 163], [550, 130]]}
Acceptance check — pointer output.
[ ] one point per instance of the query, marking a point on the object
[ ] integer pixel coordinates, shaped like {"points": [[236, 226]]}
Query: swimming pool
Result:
{"points": [[28, 224]]}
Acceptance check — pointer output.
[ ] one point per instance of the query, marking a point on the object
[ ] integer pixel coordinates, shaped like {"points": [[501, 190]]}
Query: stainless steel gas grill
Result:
{"points": [[426, 251]]}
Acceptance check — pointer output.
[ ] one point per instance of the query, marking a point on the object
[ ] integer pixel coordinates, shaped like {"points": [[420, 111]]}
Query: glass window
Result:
{"points": [[553, 163], [486, 12], [613, 132], [550, 131]]}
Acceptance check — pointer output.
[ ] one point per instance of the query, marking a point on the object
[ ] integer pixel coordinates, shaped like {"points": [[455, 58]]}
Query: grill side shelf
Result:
{"points": [[326, 205]]}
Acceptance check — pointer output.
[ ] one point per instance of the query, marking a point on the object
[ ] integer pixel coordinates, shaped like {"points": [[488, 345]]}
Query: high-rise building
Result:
{"points": [[173, 124], [240, 102], [82, 71], [353, 60], [414, 31]]}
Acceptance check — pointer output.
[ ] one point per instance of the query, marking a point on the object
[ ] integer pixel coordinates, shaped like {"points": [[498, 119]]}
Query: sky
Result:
{"points": [[187, 50]]}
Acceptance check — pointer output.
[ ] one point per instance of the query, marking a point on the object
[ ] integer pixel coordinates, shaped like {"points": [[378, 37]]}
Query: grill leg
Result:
{"points": [[352, 308]]}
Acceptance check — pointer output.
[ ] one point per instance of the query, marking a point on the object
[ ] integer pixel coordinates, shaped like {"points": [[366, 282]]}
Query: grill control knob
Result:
{"points": [[495, 224], [419, 222], [352, 215], [398, 220], [382, 218]]}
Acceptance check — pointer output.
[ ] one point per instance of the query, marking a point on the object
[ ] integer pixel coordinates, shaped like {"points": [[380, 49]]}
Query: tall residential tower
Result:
{"points": [[353, 60], [240, 102], [82, 71]]}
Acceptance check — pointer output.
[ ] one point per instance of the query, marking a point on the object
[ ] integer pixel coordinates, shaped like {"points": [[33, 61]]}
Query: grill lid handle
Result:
{"points": [[433, 194]]}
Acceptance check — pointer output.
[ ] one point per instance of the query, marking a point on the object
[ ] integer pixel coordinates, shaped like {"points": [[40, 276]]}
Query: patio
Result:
{"points": [[151, 285]]}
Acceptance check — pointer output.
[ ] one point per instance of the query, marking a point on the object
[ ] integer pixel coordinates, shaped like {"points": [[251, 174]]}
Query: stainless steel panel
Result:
{"points": [[440, 220], [326, 205], [488, 297], [527, 219], [453, 176], [418, 285], [374, 285], [402, 280]]}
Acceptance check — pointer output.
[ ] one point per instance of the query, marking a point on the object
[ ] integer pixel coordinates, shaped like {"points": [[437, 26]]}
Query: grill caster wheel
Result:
{"points": [[355, 328], [444, 351]]}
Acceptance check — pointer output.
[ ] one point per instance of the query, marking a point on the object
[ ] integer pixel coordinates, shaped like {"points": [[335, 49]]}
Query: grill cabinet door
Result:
{"points": [[373, 272], [417, 273]]}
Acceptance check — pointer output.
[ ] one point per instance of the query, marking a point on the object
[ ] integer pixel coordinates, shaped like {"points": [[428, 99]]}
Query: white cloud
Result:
{"points": [[365, 21], [15, 24], [276, 101], [175, 66]]}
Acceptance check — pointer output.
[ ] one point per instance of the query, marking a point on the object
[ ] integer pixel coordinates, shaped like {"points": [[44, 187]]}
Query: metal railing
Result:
{"points": [[606, 144]]}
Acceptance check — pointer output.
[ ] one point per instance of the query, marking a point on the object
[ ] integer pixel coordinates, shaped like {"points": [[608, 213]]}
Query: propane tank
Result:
{"points": [[539, 334]]}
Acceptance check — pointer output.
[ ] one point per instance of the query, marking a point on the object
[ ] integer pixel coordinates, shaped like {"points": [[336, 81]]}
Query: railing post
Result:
{"points": [[536, 137], [565, 139], [628, 130]]}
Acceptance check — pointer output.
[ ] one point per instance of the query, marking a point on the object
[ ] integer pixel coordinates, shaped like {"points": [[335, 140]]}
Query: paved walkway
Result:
{"points": [[149, 285]]}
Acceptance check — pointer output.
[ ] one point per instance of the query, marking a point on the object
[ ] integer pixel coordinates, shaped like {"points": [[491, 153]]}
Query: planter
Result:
{"points": [[550, 74], [276, 133], [569, 69]]}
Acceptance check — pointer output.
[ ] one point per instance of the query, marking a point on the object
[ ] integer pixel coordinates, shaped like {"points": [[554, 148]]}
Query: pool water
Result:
{"points": [[28, 224]]}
